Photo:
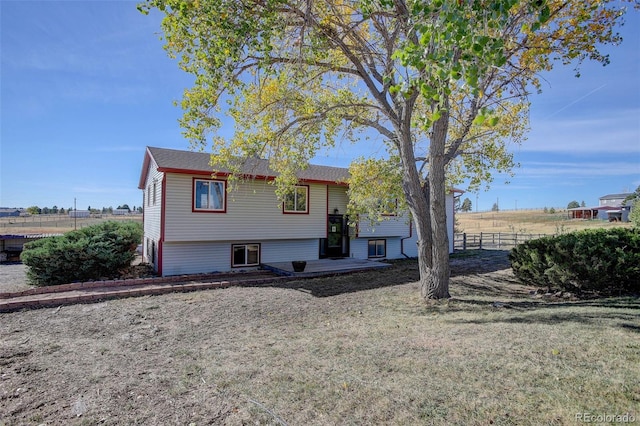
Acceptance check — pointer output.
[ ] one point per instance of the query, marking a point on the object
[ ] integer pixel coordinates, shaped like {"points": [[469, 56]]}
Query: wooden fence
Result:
{"points": [[491, 240]]}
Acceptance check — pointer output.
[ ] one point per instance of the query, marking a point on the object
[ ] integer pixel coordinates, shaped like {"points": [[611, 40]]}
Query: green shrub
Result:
{"points": [[634, 216], [95, 252], [606, 261]]}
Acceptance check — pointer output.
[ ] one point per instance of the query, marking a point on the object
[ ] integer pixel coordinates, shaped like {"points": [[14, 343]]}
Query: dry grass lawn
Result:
{"points": [[355, 349], [526, 222], [54, 224]]}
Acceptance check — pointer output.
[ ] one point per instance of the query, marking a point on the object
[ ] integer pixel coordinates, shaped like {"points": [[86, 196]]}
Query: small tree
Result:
{"points": [[466, 205], [634, 216], [631, 198], [582, 204], [33, 210], [573, 204]]}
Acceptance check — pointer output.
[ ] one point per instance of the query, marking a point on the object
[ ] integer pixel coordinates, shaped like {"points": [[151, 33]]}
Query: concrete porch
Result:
{"points": [[316, 268]]}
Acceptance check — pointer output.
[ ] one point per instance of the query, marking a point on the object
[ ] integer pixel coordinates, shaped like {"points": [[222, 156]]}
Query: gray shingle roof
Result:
{"points": [[189, 161], [615, 196]]}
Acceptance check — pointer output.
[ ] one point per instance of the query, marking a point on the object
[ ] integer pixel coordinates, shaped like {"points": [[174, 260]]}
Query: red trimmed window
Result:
{"points": [[209, 195], [297, 201]]}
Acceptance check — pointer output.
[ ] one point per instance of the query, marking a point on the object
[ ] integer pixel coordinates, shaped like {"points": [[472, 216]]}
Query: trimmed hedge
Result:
{"points": [[597, 260], [91, 253]]}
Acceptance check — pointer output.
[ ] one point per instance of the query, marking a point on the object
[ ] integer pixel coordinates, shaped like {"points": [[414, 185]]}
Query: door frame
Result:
{"points": [[337, 251]]}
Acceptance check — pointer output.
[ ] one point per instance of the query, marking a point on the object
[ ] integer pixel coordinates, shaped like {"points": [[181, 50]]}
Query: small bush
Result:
{"points": [[598, 260], [95, 252], [634, 216]]}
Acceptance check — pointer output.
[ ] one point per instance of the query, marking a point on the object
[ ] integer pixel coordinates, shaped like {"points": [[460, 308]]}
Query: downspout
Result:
{"points": [[452, 243], [402, 240]]}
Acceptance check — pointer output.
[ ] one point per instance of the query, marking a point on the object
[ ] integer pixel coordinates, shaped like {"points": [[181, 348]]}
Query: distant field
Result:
{"points": [[526, 222], [512, 221], [54, 224]]}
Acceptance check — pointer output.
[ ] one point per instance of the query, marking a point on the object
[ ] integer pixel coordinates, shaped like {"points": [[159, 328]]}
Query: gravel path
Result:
{"points": [[13, 277]]}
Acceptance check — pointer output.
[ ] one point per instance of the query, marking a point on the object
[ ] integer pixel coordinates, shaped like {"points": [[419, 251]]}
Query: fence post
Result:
{"points": [[464, 241], [480, 240]]}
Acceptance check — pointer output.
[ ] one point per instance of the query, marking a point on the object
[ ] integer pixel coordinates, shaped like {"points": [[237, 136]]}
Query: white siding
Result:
{"points": [[286, 250], [205, 257], [195, 258], [337, 199], [450, 220], [360, 248], [410, 245], [391, 226], [253, 213], [397, 226], [152, 212]]}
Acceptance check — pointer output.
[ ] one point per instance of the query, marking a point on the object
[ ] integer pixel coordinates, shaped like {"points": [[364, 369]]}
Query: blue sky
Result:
{"points": [[86, 85]]}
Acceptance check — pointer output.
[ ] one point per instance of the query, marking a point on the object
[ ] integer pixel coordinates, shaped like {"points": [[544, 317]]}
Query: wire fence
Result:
{"points": [[50, 221], [491, 240]]}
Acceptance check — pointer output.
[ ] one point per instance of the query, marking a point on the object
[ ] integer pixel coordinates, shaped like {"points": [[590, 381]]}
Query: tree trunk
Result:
{"points": [[427, 207], [436, 284]]}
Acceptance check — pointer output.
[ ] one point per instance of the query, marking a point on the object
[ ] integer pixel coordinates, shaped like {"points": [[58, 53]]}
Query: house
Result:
{"points": [[192, 224], [613, 200], [610, 208], [7, 212], [79, 213]]}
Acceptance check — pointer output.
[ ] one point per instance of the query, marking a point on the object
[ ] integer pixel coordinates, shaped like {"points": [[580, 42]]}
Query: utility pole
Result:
{"points": [[75, 215]]}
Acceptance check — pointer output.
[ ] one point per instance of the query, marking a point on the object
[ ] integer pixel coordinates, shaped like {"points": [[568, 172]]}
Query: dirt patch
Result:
{"points": [[13, 277], [356, 349]]}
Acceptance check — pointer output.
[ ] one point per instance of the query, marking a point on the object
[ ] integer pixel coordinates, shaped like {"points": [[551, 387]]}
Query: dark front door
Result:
{"points": [[337, 242]]}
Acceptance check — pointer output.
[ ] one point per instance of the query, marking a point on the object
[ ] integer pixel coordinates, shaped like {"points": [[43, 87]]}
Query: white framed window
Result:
{"points": [[377, 248], [155, 191], [297, 201], [209, 195], [245, 255]]}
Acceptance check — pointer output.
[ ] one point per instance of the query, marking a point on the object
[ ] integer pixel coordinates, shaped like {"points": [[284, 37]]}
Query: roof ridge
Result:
{"points": [[183, 161]]}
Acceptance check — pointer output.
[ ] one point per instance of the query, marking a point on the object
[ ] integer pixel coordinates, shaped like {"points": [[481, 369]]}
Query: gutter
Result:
{"points": [[402, 240]]}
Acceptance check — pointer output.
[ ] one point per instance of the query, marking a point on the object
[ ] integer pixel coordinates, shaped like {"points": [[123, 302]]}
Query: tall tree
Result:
{"points": [[573, 204], [466, 205], [444, 82]]}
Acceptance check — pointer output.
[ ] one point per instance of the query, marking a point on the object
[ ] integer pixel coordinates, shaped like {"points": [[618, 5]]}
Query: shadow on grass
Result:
{"points": [[355, 282], [623, 311], [405, 271]]}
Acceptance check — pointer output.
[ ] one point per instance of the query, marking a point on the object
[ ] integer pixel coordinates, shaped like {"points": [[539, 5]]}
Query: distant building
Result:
{"points": [[610, 208], [12, 245], [5, 212], [614, 200], [120, 212], [79, 213]]}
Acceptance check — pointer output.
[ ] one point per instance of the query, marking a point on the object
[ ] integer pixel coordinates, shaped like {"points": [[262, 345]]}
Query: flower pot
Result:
{"points": [[298, 265]]}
